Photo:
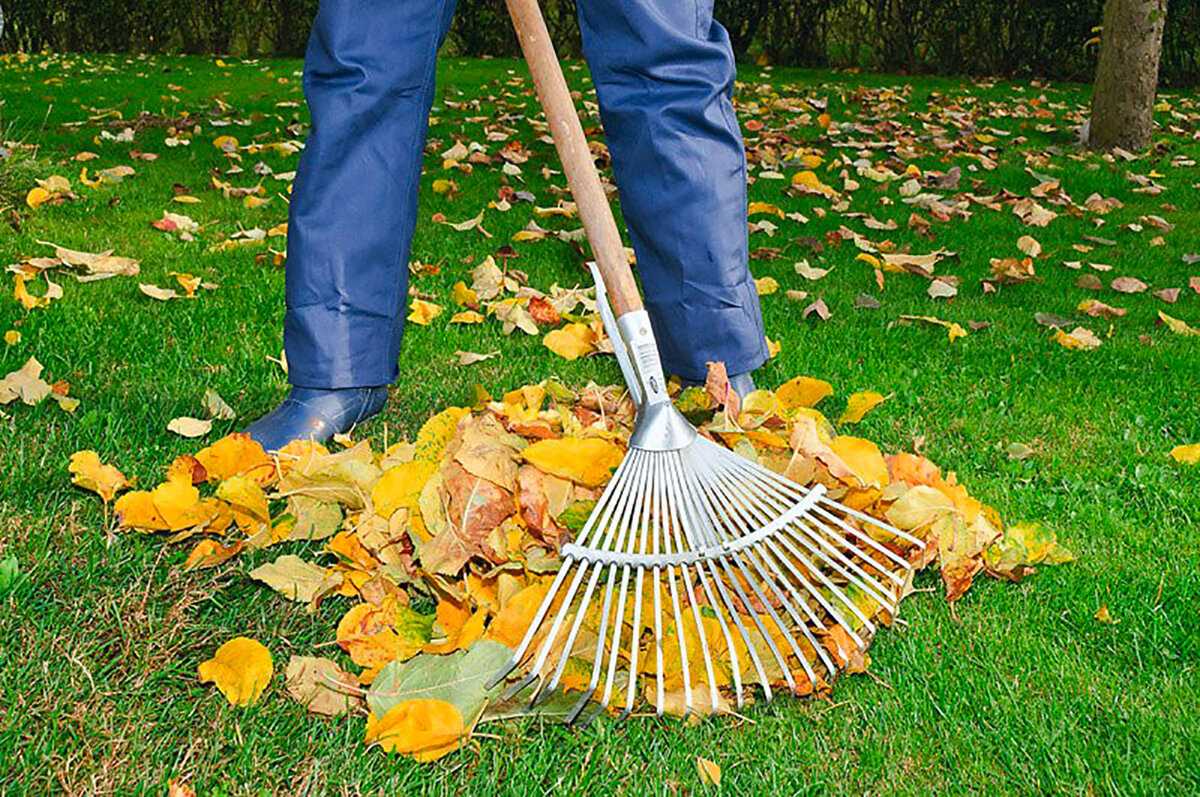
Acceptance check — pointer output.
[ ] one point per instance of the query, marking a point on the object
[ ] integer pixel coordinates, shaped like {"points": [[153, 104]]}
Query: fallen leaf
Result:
{"points": [[241, 669], [1177, 326], [1102, 615], [185, 426], [423, 312], [296, 579], [321, 686], [1078, 338], [587, 461], [710, 773], [1186, 454], [859, 404], [425, 729], [89, 473], [1128, 285], [571, 341]]}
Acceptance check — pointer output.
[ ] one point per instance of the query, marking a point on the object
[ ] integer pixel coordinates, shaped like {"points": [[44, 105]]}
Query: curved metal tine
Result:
{"points": [[853, 572], [678, 516], [865, 518], [750, 514], [858, 534], [785, 538], [673, 543], [704, 523], [657, 519], [594, 528], [602, 634], [648, 508], [587, 531], [577, 623], [827, 549], [896, 559], [627, 522], [758, 504], [726, 509]]}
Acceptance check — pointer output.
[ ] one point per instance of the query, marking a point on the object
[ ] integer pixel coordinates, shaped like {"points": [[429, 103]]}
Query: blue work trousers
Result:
{"points": [[663, 71]]}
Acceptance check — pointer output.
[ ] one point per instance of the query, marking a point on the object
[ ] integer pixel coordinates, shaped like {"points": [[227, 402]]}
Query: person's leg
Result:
{"points": [[369, 81], [664, 75]]}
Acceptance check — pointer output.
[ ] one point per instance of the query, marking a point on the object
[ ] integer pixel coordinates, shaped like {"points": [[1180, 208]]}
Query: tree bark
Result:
{"points": [[1127, 75]]}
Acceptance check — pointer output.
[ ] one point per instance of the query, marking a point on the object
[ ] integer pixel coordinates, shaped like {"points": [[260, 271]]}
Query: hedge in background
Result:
{"points": [[989, 37]]}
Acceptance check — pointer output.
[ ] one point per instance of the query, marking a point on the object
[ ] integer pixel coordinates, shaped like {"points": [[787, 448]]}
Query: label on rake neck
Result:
{"points": [[643, 561]]}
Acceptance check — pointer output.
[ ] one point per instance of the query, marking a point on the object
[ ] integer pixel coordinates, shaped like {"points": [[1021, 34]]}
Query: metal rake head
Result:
{"points": [[702, 570]]}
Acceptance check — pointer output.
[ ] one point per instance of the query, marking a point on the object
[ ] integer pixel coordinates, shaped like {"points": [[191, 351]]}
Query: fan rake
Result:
{"points": [[745, 575]]}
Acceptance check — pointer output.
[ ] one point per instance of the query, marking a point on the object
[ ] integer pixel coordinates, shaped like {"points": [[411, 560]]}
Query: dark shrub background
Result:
{"points": [[1046, 38]]}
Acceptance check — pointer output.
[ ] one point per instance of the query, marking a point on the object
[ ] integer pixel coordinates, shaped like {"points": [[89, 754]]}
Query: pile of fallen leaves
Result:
{"points": [[468, 520]]}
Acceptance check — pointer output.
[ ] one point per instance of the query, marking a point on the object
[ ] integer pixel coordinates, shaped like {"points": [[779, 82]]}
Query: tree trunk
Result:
{"points": [[1127, 75]]}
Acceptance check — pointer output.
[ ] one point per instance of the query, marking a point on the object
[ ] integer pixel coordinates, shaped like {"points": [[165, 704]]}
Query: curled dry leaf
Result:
{"points": [[185, 426]]}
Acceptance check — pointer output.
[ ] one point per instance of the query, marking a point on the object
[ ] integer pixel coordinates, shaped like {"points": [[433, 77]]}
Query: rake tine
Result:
{"points": [[616, 485], [706, 488], [621, 502], [709, 537], [865, 518], [759, 558], [674, 543], [857, 533], [866, 538], [680, 528], [594, 530], [635, 639], [628, 522], [659, 533], [878, 591], [598, 656]]}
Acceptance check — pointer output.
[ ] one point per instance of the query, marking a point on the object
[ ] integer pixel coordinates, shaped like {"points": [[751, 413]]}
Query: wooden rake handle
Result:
{"points": [[576, 158]]}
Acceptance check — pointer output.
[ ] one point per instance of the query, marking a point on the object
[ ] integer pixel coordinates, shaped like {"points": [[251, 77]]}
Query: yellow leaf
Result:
{"points": [[422, 312], [571, 341], [251, 202], [864, 458], [467, 317], [510, 625], [710, 773], [236, 455], [436, 433], [12, 337], [803, 391], [89, 473], [210, 553], [765, 286], [179, 504], [241, 669], [424, 728], [226, 143], [1177, 326], [1186, 455], [764, 207], [246, 496], [400, 486], [860, 404], [1103, 615], [1078, 338], [464, 296], [587, 461], [136, 510], [36, 197]]}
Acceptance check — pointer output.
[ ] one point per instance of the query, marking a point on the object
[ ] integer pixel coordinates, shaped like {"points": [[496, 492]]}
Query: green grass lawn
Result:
{"points": [[1016, 688]]}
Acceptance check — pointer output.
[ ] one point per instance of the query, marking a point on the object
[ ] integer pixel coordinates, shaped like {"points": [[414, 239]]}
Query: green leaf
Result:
{"points": [[459, 678]]}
